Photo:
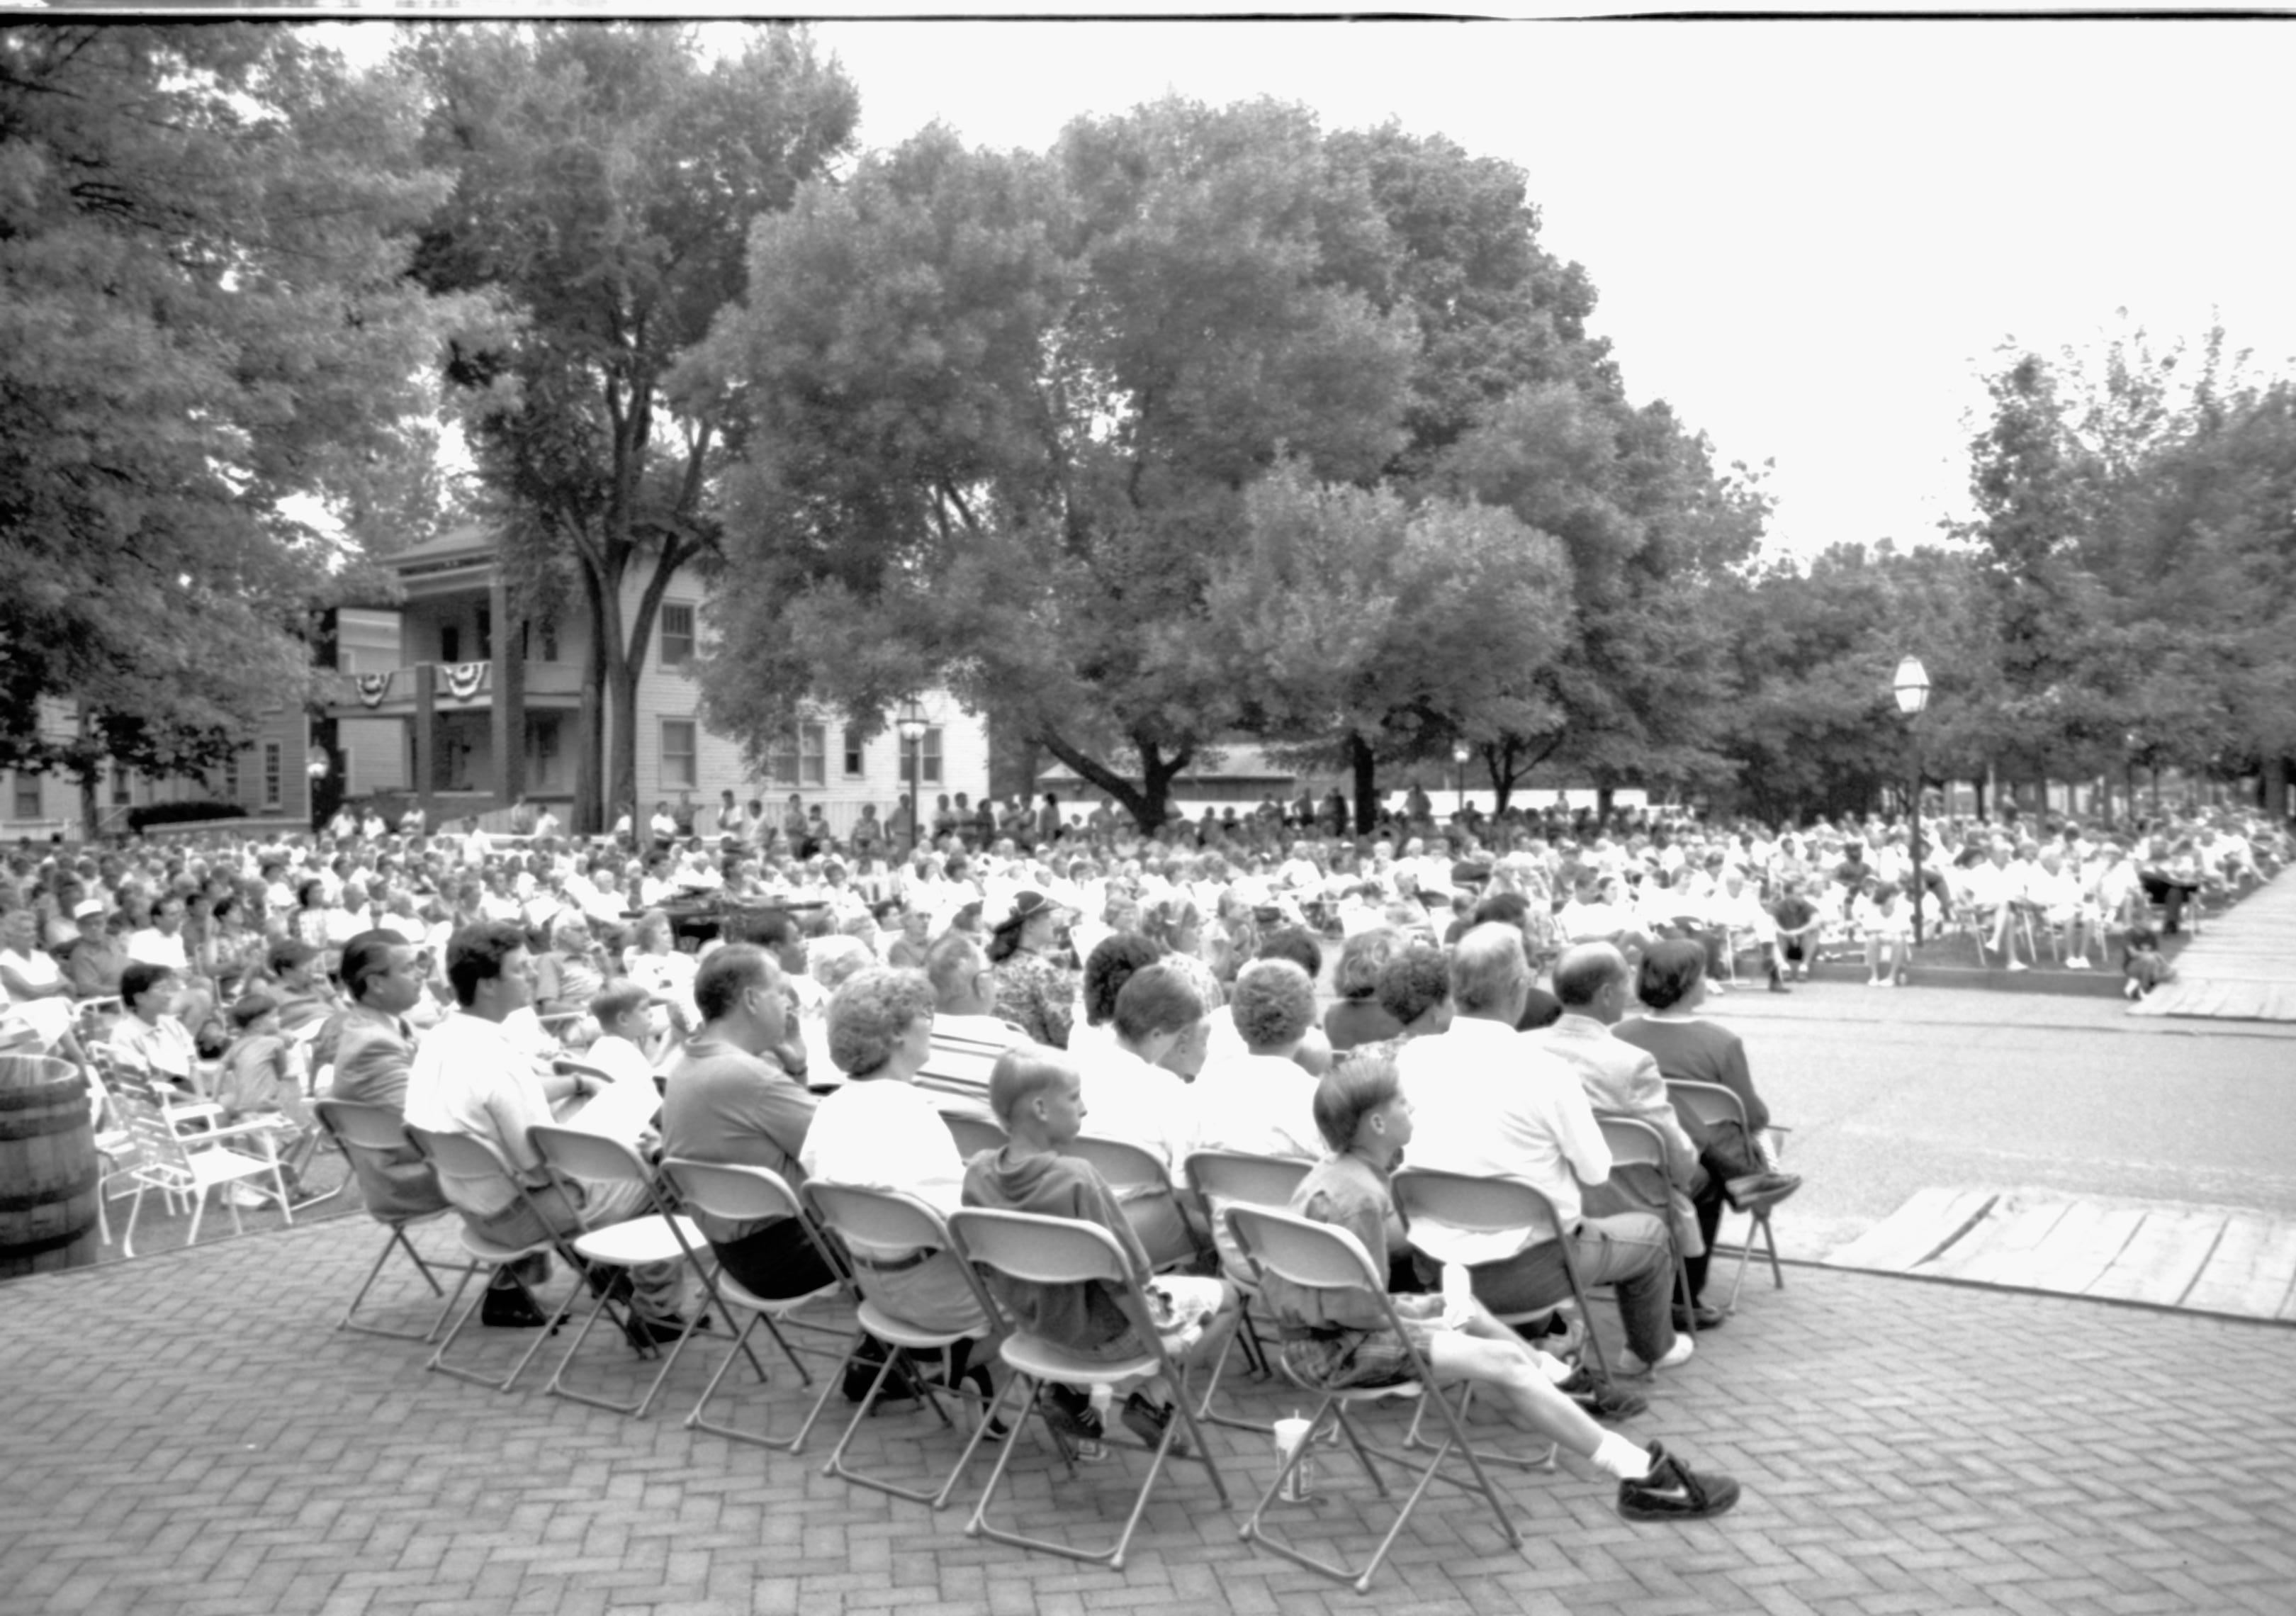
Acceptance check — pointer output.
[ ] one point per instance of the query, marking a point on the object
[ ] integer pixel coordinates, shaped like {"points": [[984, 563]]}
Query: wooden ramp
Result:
{"points": [[2241, 966], [2208, 1260]]}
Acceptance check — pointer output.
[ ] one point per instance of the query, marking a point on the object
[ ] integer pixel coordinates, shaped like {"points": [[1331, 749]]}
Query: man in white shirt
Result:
{"points": [[471, 1078], [1493, 1102]]}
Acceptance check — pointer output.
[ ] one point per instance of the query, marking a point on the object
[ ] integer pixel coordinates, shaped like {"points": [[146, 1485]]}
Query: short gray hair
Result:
{"points": [[1488, 969], [870, 1015]]}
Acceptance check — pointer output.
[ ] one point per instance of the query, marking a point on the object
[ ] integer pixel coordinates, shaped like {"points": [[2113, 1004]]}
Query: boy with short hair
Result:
{"points": [[624, 1013], [1038, 1096], [1341, 1340]]}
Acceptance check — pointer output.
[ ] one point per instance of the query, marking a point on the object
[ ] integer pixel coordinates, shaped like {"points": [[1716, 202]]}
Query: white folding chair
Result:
{"points": [[743, 1193], [1319, 1257], [1144, 1188], [379, 1132], [181, 1158], [1497, 1206], [1711, 1106], [973, 1135], [461, 1158], [1221, 1179], [1641, 1176], [887, 1220], [656, 1235], [1065, 1251]]}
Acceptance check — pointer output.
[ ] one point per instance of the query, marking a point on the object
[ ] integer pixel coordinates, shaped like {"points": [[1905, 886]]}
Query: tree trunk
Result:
{"points": [[589, 778], [1365, 771], [90, 809]]}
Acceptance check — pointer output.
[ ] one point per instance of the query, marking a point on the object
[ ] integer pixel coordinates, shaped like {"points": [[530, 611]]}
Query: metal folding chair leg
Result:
{"points": [[1759, 1218], [937, 1497], [439, 1358], [741, 1348], [399, 1241]]}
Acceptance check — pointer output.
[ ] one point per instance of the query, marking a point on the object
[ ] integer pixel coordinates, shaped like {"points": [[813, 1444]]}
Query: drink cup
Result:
{"points": [[1299, 1482]]}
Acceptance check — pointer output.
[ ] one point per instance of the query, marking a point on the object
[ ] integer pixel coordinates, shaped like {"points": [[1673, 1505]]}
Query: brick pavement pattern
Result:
{"points": [[188, 1435]]}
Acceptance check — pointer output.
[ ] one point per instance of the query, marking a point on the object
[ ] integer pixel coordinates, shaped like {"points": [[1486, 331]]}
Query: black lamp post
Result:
{"points": [[1912, 688], [910, 722]]}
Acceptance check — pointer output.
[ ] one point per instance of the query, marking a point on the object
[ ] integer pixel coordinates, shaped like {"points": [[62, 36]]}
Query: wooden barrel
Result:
{"points": [[49, 1173]]}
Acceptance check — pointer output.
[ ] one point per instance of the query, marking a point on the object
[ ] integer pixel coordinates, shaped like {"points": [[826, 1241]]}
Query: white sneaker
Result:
{"points": [[1674, 1357], [2018, 964], [2078, 962]]}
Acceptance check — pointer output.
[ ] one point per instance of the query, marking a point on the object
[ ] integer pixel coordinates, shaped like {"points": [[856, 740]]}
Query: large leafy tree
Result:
{"points": [[203, 326], [1007, 411], [605, 180]]}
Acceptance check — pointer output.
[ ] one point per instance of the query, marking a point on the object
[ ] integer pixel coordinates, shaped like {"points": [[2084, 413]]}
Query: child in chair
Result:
{"points": [[1334, 1341], [1038, 1096], [2143, 967]]}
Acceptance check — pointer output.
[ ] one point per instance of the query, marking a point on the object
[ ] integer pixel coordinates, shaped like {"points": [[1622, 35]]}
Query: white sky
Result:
{"points": [[1809, 237]]}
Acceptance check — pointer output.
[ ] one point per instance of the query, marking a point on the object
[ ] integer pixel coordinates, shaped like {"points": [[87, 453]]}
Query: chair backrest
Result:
{"points": [[973, 1135], [1125, 1166], [888, 1219], [1711, 1105], [1043, 1250], [1239, 1177], [1638, 1164], [156, 1138], [731, 1190], [586, 1155], [460, 1156], [357, 1125], [1483, 1206], [1316, 1256]]}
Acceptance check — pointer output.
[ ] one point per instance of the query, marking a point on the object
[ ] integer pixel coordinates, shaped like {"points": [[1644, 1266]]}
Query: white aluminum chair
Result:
{"points": [[1065, 1251], [181, 1161], [1493, 1206], [377, 1130], [1320, 1257], [742, 1193], [973, 1135], [1221, 1179], [889, 1220], [1151, 1206], [655, 1236], [1641, 1176], [1711, 1105]]}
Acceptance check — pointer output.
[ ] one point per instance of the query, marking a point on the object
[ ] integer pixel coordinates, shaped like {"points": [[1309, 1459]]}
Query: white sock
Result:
{"points": [[1619, 1457]]}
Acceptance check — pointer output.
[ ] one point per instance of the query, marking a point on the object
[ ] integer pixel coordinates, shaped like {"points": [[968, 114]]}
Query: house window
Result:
{"points": [[677, 636], [928, 758], [544, 773], [550, 642], [271, 773], [231, 778], [799, 757], [853, 753], [450, 642], [122, 781], [26, 804], [485, 633], [678, 759]]}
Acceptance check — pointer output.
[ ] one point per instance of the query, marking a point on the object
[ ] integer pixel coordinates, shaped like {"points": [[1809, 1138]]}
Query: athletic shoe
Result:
{"points": [[1673, 1491], [508, 1307], [2078, 962], [1674, 1357], [646, 1333], [1706, 1317], [2018, 964], [1598, 1396], [1068, 1412], [1760, 1189], [1149, 1421]]}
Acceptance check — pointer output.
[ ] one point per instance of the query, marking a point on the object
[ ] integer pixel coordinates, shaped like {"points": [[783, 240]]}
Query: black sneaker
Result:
{"points": [[508, 1307], [645, 1332], [1070, 1412], [1705, 1317], [1601, 1399], [1760, 1189], [1672, 1491], [1149, 1421]]}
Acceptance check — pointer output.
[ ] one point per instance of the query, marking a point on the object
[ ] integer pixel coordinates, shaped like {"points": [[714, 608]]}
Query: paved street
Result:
{"points": [[1891, 1092]]}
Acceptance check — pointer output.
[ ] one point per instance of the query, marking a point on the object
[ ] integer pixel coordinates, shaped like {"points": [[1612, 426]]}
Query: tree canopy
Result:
{"points": [[605, 181], [204, 324]]}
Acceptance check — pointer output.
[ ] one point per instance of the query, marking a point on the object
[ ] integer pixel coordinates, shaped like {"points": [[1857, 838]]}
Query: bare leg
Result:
{"points": [[1510, 1370]]}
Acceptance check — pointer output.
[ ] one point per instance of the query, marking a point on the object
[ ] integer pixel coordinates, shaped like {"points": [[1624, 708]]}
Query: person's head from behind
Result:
{"points": [[1157, 1008], [1673, 975], [1037, 1096], [739, 991], [1593, 980], [623, 1010], [1362, 957], [1274, 1005], [2142, 940], [1113, 963], [147, 991], [1296, 944], [881, 1023], [382, 970], [1490, 976], [962, 981], [833, 961], [1360, 1108], [489, 969], [1415, 987], [255, 1015]]}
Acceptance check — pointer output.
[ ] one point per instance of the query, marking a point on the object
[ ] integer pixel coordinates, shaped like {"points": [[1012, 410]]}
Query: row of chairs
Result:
{"points": [[1248, 1193]]}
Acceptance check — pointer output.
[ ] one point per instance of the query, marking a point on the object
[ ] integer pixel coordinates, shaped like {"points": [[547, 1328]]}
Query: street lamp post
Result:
{"points": [[1459, 776], [1912, 688], [911, 725]]}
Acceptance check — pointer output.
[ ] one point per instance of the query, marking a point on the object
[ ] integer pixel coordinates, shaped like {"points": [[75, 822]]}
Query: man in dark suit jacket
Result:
{"points": [[373, 1057]]}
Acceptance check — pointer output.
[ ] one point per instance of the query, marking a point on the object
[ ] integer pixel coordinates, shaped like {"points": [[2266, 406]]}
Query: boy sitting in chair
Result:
{"points": [[1038, 1095]]}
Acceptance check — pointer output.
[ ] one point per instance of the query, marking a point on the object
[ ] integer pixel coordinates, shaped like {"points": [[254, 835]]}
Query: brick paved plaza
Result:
{"points": [[188, 1434]]}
